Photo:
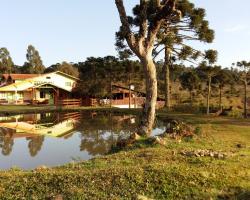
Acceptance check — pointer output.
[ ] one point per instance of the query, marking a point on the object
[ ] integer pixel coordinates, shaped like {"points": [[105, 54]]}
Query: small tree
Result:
{"points": [[34, 64], [208, 72], [190, 81], [140, 33], [244, 77]]}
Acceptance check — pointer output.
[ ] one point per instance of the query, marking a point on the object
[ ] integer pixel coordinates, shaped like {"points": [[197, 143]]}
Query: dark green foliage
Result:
{"points": [[96, 75], [190, 80], [211, 56]]}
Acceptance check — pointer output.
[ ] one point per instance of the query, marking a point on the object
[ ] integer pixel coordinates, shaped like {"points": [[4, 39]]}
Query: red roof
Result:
{"points": [[19, 76]]}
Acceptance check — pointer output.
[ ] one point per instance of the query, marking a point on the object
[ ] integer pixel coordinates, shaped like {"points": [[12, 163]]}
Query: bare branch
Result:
{"points": [[125, 24], [143, 25]]}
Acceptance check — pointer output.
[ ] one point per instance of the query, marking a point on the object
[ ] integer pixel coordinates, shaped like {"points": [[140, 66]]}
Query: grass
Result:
{"points": [[152, 171]]}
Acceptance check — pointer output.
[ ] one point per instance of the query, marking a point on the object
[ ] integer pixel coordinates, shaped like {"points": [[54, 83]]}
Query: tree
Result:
{"points": [[190, 81], [175, 37], [207, 71], [6, 63], [222, 78], [68, 68], [244, 77], [34, 64], [140, 33]]}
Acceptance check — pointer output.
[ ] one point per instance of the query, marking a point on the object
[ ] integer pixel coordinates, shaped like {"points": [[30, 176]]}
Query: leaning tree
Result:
{"points": [[140, 32], [244, 77], [174, 38]]}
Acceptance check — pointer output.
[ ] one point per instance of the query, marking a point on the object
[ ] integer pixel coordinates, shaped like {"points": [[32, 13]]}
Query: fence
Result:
{"points": [[70, 102]]}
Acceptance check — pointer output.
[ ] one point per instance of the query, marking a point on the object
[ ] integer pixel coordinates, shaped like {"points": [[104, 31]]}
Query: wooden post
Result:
{"points": [[129, 96]]}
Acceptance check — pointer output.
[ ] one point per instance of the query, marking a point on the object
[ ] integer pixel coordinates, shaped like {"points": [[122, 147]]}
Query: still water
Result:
{"points": [[51, 139]]}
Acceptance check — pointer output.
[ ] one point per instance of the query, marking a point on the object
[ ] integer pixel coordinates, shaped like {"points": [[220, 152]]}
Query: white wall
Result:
{"points": [[55, 79]]}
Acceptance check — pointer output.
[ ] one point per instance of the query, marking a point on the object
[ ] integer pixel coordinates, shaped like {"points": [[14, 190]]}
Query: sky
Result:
{"points": [[72, 30]]}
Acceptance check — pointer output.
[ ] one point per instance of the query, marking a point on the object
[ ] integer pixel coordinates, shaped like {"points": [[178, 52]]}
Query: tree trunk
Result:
{"points": [[129, 79], [245, 99], [148, 117], [208, 95], [220, 101], [167, 78], [191, 98], [110, 87]]}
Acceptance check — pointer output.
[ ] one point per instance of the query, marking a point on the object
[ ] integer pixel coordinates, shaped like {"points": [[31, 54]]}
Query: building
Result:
{"points": [[51, 88], [130, 98]]}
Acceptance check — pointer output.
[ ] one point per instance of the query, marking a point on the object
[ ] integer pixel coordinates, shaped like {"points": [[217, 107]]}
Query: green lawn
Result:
{"points": [[152, 171]]}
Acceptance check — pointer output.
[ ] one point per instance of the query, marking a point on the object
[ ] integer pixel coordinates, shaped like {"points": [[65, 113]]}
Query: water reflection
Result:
{"points": [[28, 141]]}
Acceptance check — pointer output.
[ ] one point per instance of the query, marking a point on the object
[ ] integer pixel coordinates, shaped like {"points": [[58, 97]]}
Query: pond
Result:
{"points": [[28, 141]]}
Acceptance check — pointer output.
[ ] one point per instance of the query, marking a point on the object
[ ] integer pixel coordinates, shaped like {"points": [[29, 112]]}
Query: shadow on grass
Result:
{"points": [[235, 193]]}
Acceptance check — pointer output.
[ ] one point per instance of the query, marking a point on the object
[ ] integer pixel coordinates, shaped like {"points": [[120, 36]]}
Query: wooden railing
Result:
{"points": [[70, 102]]}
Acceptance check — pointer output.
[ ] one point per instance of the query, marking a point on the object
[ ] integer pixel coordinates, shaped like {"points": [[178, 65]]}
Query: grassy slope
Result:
{"points": [[156, 172]]}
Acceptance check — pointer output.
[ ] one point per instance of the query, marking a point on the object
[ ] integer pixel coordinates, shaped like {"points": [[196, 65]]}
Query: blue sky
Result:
{"points": [[71, 30]]}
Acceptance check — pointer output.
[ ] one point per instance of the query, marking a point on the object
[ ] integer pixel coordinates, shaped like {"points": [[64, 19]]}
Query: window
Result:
{"points": [[42, 95], [67, 83]]}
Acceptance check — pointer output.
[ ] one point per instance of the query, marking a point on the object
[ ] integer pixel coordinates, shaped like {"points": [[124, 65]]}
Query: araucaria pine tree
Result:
{"points": [[174, 38], [140, 33]]}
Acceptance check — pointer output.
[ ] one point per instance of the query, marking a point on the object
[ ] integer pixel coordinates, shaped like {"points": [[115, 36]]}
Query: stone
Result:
{"points": [[160, 141], [220, 155], [59, 197], [142, 197], [135, 136], [211, 154], [42, 167]]}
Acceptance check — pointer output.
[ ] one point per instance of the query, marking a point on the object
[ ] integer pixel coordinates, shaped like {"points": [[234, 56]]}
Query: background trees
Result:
{"points": [[190, 81], [97, 75], [34, 64], [221, 79], [6, 63], [64, 67], [244, 77]]}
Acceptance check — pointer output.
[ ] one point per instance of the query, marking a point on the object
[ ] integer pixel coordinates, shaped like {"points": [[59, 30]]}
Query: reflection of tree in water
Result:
{"points": [[98, 132], [35, 145], [6, 141], [95, 143]]}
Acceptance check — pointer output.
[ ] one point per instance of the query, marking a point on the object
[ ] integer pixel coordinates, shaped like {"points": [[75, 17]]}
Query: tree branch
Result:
{"points": [[125, 25], [143, 25]]}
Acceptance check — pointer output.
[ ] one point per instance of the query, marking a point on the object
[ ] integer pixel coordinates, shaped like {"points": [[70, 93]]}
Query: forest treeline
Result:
{"points": [[190, 85]]}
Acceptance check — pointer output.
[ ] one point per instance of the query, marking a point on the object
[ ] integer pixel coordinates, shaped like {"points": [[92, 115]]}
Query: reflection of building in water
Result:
{"points": [[46, 124], [34, 127]]}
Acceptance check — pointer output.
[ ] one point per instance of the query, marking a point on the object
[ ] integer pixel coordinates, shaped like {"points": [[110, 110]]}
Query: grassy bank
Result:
{"points": [[152, 171]]}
